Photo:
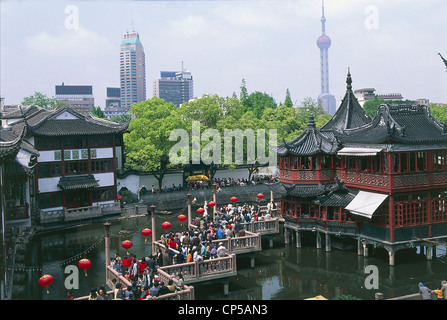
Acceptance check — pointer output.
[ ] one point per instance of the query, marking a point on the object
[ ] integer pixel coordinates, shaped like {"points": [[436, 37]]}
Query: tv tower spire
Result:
{"points": [[326, 100]]}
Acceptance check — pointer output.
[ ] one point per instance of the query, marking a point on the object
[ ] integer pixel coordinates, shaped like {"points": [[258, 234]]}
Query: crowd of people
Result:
{"points": [[220, 183], [196, 243]]}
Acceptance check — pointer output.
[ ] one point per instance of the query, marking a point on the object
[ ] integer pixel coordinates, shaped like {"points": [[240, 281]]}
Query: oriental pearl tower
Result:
{"points": [[325, 99]]}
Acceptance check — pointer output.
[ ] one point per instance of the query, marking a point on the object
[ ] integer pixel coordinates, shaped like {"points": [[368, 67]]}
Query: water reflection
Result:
{"points": [[283, 272]]}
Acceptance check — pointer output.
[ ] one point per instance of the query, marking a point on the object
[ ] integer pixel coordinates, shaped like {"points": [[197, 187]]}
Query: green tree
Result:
{"points": [[97, 112], [310, 106], [42, 100], [288, 101], [372, 105], [244, 93], [258, 102], [207, 110], [439, 112], [122, 118], [147, 143]]}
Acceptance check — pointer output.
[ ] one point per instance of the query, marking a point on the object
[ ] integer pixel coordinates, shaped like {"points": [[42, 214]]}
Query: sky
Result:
{"points": [[391, 46]]}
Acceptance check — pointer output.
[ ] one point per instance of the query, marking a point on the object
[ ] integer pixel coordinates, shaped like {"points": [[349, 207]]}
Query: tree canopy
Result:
{"points": [[42, 100]]}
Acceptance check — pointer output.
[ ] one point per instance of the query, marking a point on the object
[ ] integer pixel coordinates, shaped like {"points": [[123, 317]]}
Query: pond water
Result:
{"points": [[282, 272]]}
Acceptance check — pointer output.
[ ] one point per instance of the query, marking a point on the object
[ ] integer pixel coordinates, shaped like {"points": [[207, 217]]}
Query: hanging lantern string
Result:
{"points": [[79, 255], [61, 263]]}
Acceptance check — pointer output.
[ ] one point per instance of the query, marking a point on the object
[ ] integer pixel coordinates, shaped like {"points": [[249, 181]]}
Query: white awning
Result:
{"points": [[366, 203], [359, 151]]}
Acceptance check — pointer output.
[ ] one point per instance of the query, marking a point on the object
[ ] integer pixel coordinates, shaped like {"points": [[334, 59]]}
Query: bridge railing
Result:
{"points": [[186, 294], [203, 270]]}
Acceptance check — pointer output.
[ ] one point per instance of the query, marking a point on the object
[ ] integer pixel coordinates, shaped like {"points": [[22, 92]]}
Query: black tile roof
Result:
{"points": [[50, 126], [77, 182], [401, 123], [311, 141], [349, 114], [10, 144], [308, 190]]}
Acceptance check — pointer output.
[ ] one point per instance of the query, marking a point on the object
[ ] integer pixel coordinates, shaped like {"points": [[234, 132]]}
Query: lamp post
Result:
{"points": [[153, 227], [107, 244], [189, 209], [214, 199]]}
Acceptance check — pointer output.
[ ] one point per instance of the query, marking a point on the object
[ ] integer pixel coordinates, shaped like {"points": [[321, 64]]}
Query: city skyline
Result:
{"points": [[392, 47]]}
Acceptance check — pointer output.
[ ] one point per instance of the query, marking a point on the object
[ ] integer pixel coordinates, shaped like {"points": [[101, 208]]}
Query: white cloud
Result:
{"points": [[74, 42]]}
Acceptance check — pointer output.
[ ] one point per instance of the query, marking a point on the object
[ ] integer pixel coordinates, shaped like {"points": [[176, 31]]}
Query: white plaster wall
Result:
{"points": [[105, 179], [130, 182], [104, 153], [48, 184]]}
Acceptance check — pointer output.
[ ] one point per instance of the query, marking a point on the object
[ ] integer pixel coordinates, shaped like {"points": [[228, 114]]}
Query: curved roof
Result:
{"points": [[74, 124], [401, 123], [350, 114], [311, 141]]}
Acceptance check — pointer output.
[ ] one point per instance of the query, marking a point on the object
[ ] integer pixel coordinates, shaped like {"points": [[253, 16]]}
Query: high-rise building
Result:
{"points": [[326, 100], [77, 97], [132, 70], [175, 86], [113, 103]]}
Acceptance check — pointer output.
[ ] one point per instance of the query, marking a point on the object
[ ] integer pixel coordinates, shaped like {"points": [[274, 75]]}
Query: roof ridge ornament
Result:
{"points": [[349, 81], [311, 123]]}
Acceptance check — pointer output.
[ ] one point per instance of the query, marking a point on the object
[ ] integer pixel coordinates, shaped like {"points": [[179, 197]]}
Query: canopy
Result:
{"points": [[366, 203], [78, 182], [359, 151], [199, 177], [316, 298]]}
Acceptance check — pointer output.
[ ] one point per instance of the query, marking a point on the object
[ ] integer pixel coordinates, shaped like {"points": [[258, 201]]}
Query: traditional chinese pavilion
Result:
{"points": [[378, 181], [78, 158]]}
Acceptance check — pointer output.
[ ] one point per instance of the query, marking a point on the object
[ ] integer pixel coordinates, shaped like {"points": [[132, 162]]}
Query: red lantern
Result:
{"points": [[182, 218], [211, 204], [120, 198], [260, 195], [200, 211], [45, 281], [166, 225], [233, 199], [146, 232], [127, 244], [84, 264]]}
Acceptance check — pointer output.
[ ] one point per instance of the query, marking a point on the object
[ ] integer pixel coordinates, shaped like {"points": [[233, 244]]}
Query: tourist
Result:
{"points": [[180, 283], [93, 294], [120, 291], [221, 250], [189, 257], [70, 295], [154, 290], [151, 264], [167, 259], [126, 262], [424, 291], [163, 289], [171, 285], [102, 294], [142, 266]]}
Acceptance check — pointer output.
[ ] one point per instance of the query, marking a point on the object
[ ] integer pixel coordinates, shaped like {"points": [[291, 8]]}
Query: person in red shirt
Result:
{"points": [[126, 264], [172, 244], [142, 265]]}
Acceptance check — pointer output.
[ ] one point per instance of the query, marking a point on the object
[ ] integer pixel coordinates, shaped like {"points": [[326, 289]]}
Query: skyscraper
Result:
{"points": [[132, 70], [174, 86], [326, 100]]}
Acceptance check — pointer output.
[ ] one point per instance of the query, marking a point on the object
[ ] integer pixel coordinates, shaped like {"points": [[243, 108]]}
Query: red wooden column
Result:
{"points": [[429, 213], [391, 216]]}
